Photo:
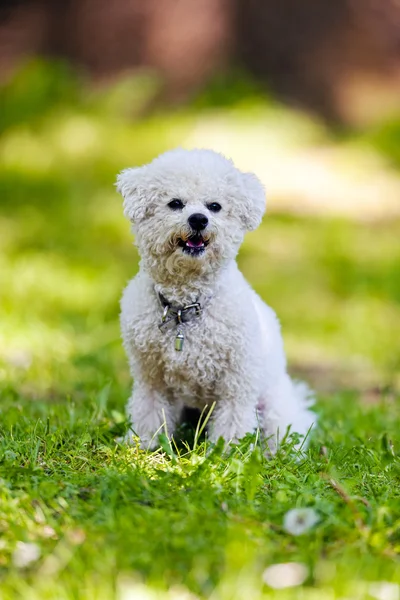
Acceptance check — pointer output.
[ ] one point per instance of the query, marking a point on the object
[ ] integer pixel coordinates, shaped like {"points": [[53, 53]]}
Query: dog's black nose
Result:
{"points": [[198, 221]]}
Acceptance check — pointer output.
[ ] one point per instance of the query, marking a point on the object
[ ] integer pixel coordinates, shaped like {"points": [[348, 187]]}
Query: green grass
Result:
{"points": [[210, 522], [116, 522]]}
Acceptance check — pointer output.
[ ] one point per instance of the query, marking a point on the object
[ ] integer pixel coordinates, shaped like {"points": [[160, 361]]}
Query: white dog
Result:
{"points": [[195, 332]]}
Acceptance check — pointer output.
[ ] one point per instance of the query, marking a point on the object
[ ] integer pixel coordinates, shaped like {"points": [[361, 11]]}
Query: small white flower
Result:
{"points": [[285, 575], [300, 520], [25, 554]]}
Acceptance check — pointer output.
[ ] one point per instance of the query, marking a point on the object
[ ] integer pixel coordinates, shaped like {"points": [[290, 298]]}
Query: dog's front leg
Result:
{"points": [[233, 417], [151, 414]]}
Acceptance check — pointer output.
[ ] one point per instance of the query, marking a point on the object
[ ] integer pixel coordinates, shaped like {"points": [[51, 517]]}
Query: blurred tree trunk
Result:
{"points": [[183, 40], [342, 58], [318, 52]]}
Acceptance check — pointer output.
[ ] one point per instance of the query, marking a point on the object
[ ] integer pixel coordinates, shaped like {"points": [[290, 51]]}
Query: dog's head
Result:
{"points": [[190, 209]]}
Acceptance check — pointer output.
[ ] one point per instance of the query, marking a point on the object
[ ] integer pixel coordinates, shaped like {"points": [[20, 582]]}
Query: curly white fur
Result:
{"points": [[233, 353]]}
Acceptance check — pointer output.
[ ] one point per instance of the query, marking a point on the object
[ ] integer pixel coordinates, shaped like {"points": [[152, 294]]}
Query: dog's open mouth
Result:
{"points": [[194, 244]]}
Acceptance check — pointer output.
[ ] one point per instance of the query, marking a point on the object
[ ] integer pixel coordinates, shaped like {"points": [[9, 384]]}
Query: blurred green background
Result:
{"points": [[326, 257]]}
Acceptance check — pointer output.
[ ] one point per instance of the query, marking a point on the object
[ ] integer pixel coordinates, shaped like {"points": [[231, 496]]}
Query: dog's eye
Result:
{"points": [[214, 207], [176, 204]]}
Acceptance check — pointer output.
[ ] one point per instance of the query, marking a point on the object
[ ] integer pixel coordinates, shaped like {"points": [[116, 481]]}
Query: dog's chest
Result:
{"points": [[192, 365]]}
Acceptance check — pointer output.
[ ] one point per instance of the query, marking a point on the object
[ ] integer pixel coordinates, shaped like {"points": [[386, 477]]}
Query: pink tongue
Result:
{"points": [[195, 244]]}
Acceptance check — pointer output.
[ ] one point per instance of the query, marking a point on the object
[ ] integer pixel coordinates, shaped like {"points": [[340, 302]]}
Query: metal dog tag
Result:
{"points": [[179, 339]]}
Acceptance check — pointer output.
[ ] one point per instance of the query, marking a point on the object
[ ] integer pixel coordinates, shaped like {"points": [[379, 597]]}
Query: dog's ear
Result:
{"points": [[255, 200], [130, 186]]}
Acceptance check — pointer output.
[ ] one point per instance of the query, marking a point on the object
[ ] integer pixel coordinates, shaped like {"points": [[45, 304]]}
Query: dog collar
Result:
{"points": [[175, 316]]}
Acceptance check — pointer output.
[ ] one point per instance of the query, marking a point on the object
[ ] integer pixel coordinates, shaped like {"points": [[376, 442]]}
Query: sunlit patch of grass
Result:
{"points": [[101, 512]]}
